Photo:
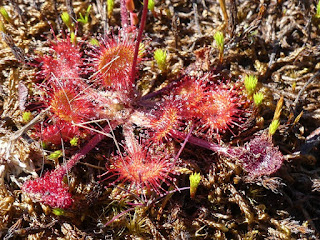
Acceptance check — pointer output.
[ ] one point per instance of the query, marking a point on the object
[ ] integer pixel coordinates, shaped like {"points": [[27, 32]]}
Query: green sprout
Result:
{"points": [[85, 19], [318, 10], [219, 38], [274, 126], [73, 37], [161, 58], [258, 98], [2, 28], [58, 211], [293, 86], [44, 145], [67, 20], [151, 5], [5, 15], [194, 179], [142, 49], [250, 83], [55, 155], [74, 141], [110, 5], [94, 41], [26, 116]]}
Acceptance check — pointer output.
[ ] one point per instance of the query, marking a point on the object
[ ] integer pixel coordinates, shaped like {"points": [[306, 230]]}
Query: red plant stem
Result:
{"points": [[184, 143], [223, 150], [161, 91], [124, 14], [139, 38], [84, 151], [119, 215]]}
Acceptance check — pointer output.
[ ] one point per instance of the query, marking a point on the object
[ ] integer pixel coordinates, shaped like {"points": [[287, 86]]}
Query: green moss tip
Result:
{"points": [[258, 98], [55, 155], [67, 20], [2, 28], [161, 58], [85, 19], [274, 126], [73, 37], [194, 179], [151, 5], [5, 14], [250, 83], [58, 211], [26, 116], [94, 41], [74, 141], [219, 38], [318, 10], [110, 6]]}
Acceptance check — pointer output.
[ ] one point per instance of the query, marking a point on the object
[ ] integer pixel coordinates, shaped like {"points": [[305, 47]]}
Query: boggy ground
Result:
{"points": [[278, 41]]}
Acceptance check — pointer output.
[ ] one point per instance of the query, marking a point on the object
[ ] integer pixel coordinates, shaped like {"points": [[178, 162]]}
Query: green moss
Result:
{"points": [[219, 38], [258, 98], [58, 211], [5, 15], [161, 58], [74, 141], [151, 5], [85, 19], [110, 6], [194, 179], [67, 20], [55, 155], [318, 10], [250, 83], [27, 116], [274, 126]]}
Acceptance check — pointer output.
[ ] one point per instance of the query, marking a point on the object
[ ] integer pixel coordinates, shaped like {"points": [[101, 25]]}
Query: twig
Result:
{"points": [[25, 128], [101, 6], [18, 10], [92, 166], [17, 52], [295, 104], [175, 22], [196, 17], [312, 140], [70, 9], [233, 16], [224, 11]]}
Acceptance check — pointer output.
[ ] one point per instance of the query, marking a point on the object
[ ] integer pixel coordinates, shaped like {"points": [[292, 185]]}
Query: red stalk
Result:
{"points": [[124, 14], [203, 143], [139, 38], [87, 148]]}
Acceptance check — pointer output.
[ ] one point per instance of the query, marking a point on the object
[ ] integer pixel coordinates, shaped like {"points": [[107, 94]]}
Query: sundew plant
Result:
{"points": [[98, 85]]}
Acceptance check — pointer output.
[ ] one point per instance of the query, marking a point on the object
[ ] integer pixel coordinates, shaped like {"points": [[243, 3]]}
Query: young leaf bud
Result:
{"points": [[258, 98], [195, 179], [250, 83], [161, 58], [110, 5], [274, 126]]}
